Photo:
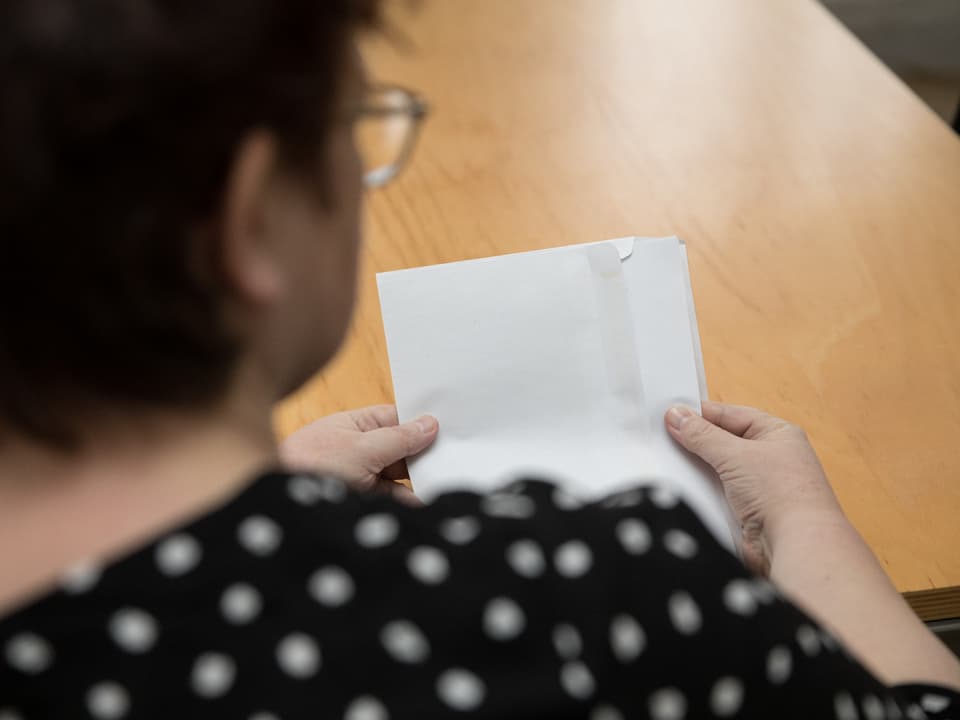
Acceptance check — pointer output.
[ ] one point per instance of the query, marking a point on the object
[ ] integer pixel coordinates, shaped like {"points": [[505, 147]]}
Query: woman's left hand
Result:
{"points": [[367, 448]]}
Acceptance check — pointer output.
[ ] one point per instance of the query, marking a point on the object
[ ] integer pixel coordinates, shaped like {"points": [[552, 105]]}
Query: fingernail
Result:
{"points": [[677, 416], [426, 424]]}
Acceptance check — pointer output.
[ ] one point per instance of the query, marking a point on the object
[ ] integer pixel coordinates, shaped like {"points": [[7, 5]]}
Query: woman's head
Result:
{"points": [[179, 193]]}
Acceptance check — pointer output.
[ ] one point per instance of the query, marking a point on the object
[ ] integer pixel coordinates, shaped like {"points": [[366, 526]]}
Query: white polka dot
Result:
{"points": [[763, 590], [664, 498], [80, 578], [605, 712], [240, 603], [460, 530], [331, 586], [108, 701], [428, 565], [779, 665], [263, 716], [564, 500], [460, 689], [872, 708], [576, 679], [915, 712], [526, 558], [177, 555], [303, 490], [332, 489], [893, 710], [298, 656], [844, 707], [934, 703], [133, 630], [260, 535], [739, 598], [29, 653], [808, 640], [212, 675], [684, 613], [627, 638], [503, 619], [505, 505], [634, 535], [404, 642], [567, 642], [726, 697], [573, 559], [828, 641], [630, 498], [680, 543], [307, 490], [366, 708], [667, 704], [376, 530]]}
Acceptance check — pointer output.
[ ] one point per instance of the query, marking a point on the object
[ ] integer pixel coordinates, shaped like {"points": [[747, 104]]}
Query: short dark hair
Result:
{"points": [[119, 120]]}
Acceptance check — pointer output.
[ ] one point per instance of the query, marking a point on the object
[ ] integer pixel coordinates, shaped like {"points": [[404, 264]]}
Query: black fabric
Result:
{"points": [[298, 599]]}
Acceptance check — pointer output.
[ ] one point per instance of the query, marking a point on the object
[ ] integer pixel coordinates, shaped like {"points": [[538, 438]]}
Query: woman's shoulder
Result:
{"points": [[301, 598], [298, 515], [296, 573], [531, 528]]}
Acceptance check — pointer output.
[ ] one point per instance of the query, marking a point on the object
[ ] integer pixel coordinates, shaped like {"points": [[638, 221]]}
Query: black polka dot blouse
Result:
{"points": [[299, 599]]}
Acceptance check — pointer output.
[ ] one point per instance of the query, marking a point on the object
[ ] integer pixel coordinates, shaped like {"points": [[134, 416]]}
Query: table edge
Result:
{"points": [[935, 603]]}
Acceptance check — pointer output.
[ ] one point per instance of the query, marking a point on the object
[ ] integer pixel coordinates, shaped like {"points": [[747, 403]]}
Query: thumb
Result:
{"points": [[712, 444], [385, 446]]}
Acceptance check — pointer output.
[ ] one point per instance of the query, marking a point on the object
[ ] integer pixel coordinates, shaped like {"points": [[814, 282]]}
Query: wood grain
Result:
{"points": [[820, 201]]}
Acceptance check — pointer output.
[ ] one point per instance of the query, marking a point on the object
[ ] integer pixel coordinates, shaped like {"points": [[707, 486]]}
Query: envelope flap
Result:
{"points": [[624, 246]]}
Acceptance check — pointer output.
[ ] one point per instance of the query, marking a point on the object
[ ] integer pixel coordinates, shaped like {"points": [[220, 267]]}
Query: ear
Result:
{"points": [[249, 263]]}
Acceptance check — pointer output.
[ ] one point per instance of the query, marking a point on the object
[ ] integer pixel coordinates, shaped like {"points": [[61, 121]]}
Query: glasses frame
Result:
{"points": [[416, 108]]}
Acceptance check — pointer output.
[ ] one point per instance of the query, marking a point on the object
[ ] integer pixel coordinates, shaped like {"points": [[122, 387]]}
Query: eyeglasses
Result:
{"points": [[385, 128]]}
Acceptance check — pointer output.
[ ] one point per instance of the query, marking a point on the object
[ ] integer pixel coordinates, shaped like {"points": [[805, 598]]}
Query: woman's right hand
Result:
{"points": [[792, 521], [770, 473]]}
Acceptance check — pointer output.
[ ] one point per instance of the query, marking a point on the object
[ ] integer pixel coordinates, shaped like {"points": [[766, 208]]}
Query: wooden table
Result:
{"points": [[819, 198]]}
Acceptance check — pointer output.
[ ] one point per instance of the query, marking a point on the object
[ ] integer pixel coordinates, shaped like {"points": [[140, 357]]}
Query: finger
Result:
{"points": [[403, 494], [374, 417], [711, 443], [397, 490], [406, 496], [747, 422], [386, 446]]}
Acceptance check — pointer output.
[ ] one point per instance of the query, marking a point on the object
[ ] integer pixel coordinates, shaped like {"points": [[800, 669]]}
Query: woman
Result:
{"points": [[179, 214]]}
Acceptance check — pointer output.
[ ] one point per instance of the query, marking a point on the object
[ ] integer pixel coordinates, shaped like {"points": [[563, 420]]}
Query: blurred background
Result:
{"points": [[918, 39]]}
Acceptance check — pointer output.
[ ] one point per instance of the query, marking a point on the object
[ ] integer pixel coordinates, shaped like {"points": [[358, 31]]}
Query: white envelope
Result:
{"points": [[556, 364]]}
